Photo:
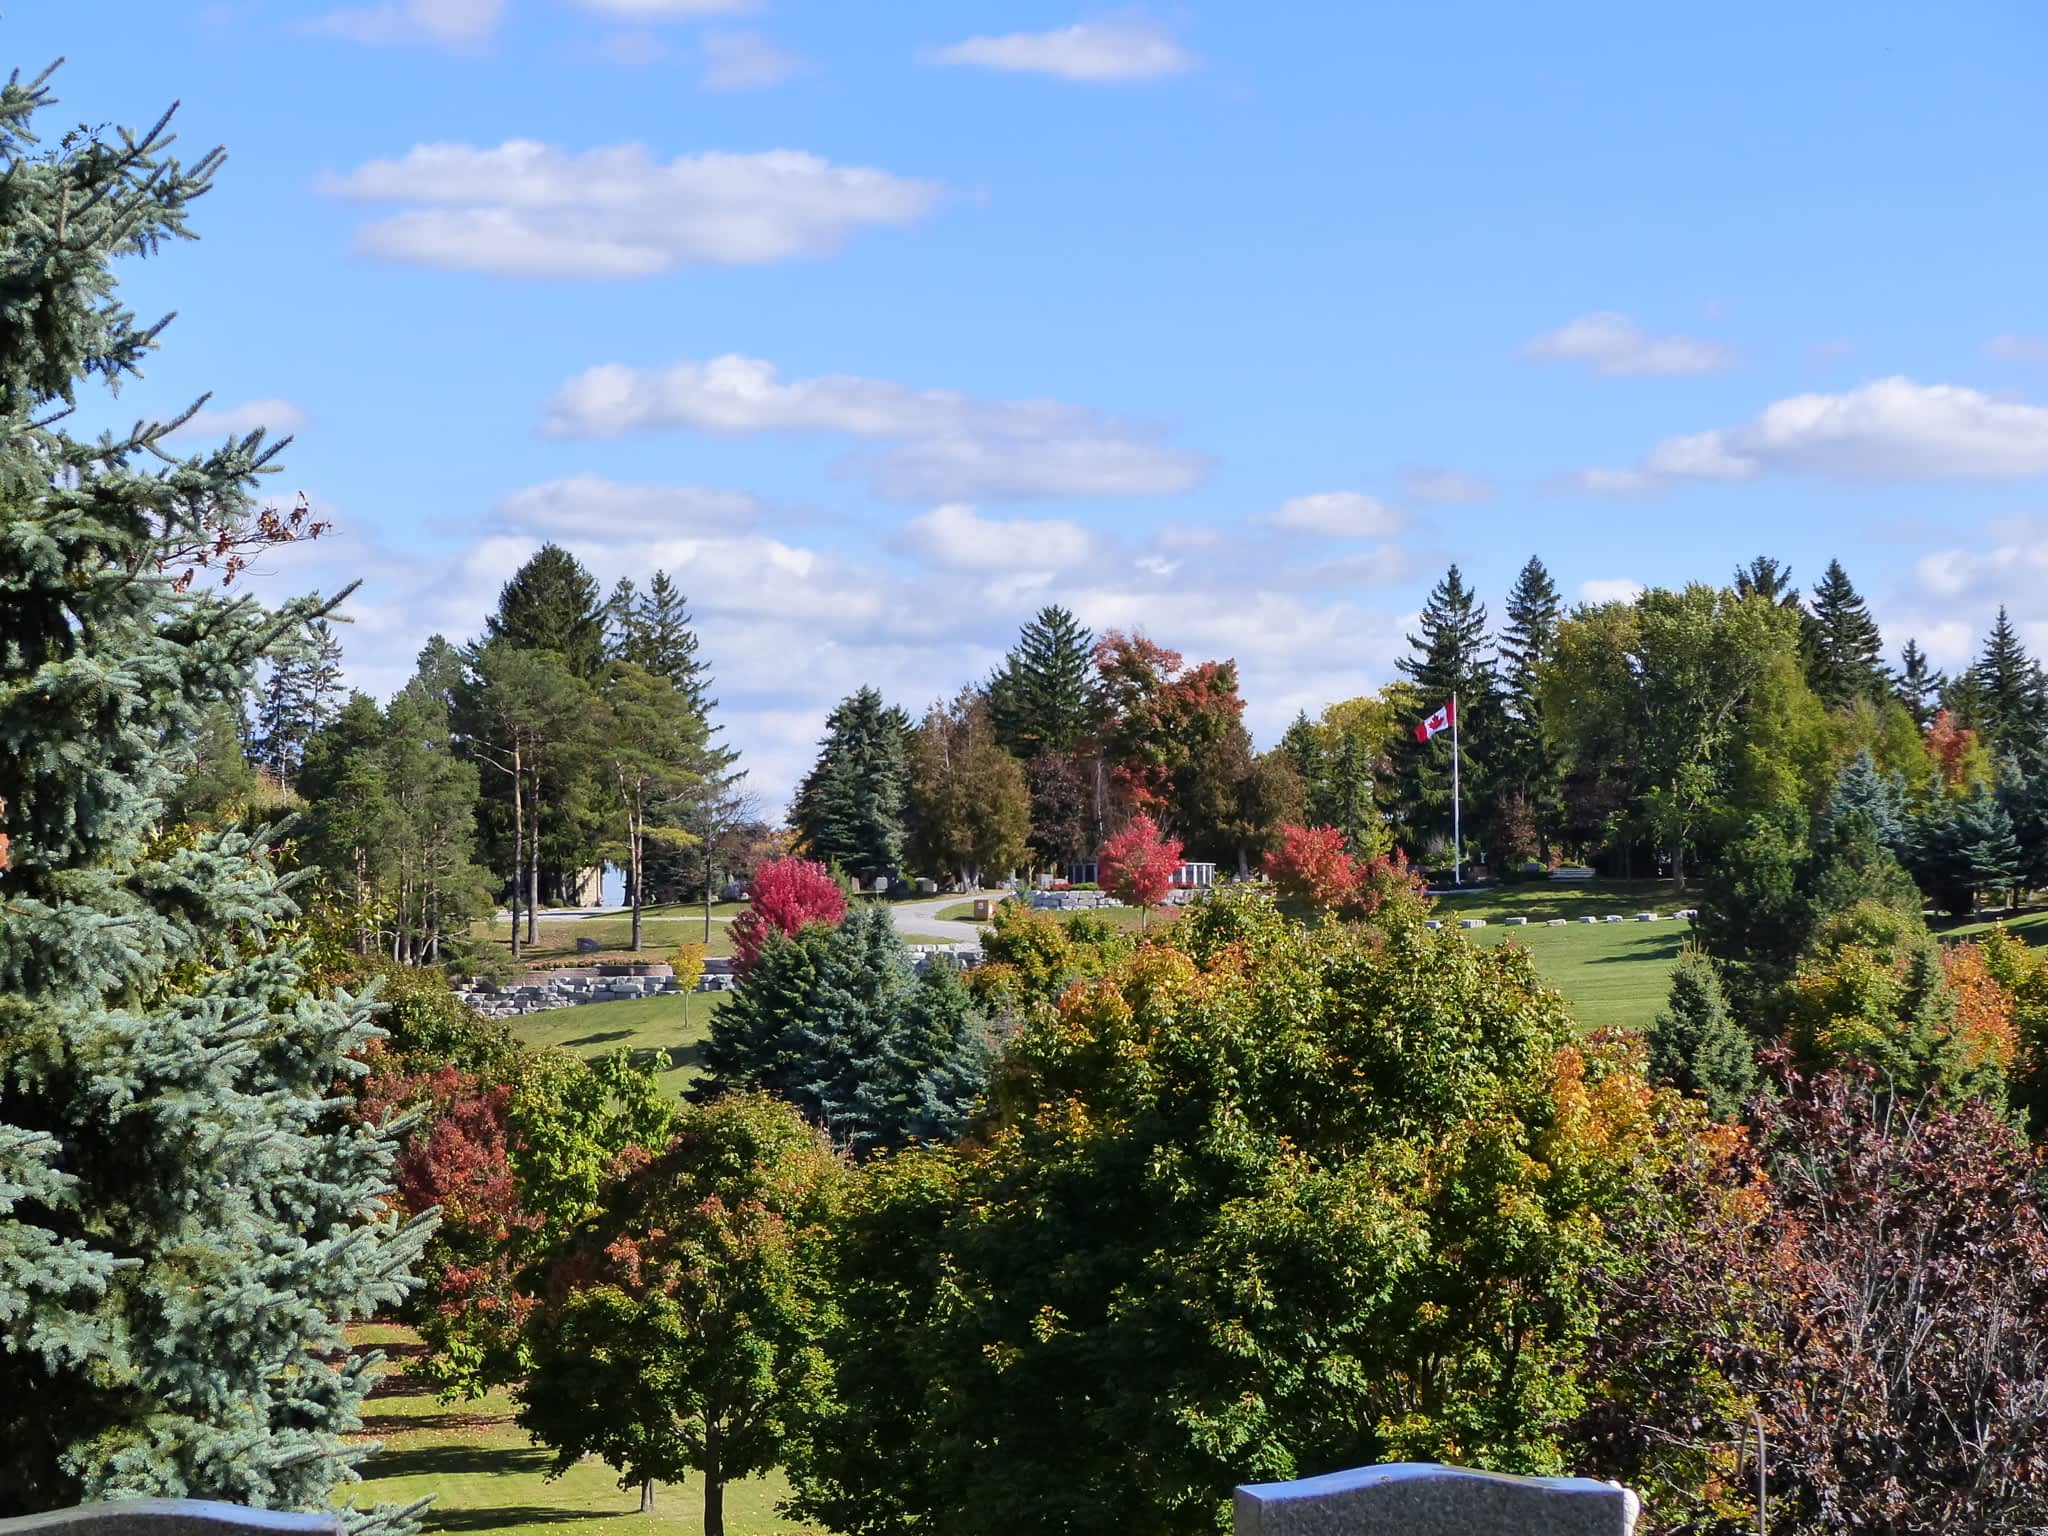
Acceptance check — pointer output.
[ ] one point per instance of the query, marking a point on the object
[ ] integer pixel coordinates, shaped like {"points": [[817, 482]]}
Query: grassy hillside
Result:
{"points": [[486, 1476], [646, 1026]]}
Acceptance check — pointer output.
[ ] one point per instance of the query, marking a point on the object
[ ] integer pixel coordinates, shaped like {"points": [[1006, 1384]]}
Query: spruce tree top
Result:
{"points": [[551, 604], [1043, 698], [1846, 650], [1450, 653], [187, 1220]]}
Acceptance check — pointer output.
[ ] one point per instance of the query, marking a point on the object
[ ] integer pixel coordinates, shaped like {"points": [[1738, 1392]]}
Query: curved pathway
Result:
{"points": [[923, 917]]}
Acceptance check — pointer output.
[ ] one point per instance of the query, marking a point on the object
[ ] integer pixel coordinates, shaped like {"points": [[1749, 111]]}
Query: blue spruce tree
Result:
{"points": [[189, 1217]]}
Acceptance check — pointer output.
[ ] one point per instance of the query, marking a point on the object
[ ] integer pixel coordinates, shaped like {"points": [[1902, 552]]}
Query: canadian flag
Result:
{"points": [[1437, 723]]}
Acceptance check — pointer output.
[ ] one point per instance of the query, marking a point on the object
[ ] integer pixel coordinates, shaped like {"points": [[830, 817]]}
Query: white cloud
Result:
{"points": [[451, 23], [527, 209], [747, 61], [1614, 344], [1338, 515], [1888, 429], [668, 10], [275, 415], [1608, 482], [1702, 456], [1109, 48], [1617, 589], [590, 505], [953, 537], [2013, 348], [949, 446], [1428, 485]]}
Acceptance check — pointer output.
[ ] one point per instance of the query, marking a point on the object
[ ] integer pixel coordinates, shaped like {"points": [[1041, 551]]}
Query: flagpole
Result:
{"points": [[1457, 806]]}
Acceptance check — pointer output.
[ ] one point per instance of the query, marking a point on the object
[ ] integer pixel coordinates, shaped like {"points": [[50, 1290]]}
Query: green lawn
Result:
{"points": [[486, 1476], [1614, 974], [1116, 917], [643, 1025], [663, 930]]}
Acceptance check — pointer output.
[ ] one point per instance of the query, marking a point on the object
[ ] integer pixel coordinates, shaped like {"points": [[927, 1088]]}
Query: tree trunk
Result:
{"points": [[1678, 865], [633, 846], [533, 866], [710, 873], [518, 846], [714, 1485], [647, 1496]]}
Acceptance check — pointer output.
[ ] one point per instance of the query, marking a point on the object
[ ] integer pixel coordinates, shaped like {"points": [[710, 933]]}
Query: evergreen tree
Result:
{"points": [[656, 632], [1765, 578], [1451, 658], [189, 1224], [1861, 790], [836, 1021], [551, 604], [1988, 851], [850, 808], [1528, 768], [1697, 1046], [1845, 651], [2023, 796], [1918, 685], [1043, 698], [299, 697], [2009, 699]]}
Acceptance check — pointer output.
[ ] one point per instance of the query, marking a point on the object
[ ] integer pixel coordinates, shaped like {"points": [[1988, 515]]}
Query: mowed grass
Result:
{"points": [[650, 1027], [1615, 975], [663, 930], [485, 1475]]}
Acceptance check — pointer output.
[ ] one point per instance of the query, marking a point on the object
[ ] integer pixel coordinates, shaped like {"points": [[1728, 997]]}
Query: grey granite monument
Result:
{"points": [[1421, 1499], [170, 1517]]}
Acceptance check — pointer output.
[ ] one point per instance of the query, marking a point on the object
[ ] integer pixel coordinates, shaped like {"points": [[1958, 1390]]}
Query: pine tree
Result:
{"points": [[551, 604], [1845, 651], [1450, 658], [1918, 685], [836, 1021], [1860, 790], [1043, 698], [849, 809], [1765, 578], [2023, 796], [657, 633], [2009, 696], [189, 1223], [1989, 851], [1527, 766], [299, 697], [1697, 1046]]}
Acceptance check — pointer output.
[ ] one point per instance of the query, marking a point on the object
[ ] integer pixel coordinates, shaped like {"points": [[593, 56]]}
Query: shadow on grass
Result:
{"points": [[458, 1461], [1661, 949], [600, 1037], [672, 1058], [388, 1426], [504, 1516]]}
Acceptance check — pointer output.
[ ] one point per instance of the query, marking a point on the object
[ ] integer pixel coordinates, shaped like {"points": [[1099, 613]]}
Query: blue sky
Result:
{"points": [[879, 326]]}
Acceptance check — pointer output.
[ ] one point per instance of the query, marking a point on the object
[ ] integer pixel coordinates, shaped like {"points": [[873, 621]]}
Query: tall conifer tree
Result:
{"points": [[850, 808], [1527, 767], [1845, 652], [188, 1221], [2008, 692], [551, 604], [1043, 698], [1918, 685], [1452, 657]]}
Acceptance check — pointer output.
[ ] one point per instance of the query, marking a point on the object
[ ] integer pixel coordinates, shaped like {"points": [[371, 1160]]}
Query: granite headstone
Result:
{"points": [[1421, 1499]]}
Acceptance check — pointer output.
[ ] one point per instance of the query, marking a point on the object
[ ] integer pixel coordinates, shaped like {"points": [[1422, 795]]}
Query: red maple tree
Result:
{"points": [[1313, 865], [1138, 864], [788, 894]]}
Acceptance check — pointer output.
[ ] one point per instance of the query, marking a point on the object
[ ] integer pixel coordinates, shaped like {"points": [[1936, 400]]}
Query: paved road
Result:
{"points": [[923, 917]]}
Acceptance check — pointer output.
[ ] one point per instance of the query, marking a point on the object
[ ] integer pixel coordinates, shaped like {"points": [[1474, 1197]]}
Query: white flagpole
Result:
{"points": [[1457, 806]]}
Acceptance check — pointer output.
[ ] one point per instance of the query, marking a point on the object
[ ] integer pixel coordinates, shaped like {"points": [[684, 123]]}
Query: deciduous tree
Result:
{"points": [[681, 1333], [1138, 865], [788, 895]]}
